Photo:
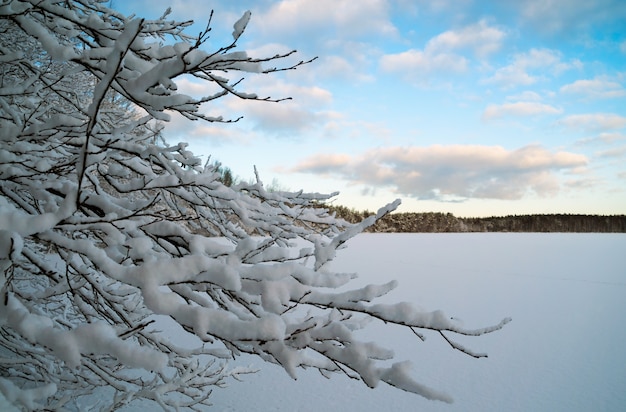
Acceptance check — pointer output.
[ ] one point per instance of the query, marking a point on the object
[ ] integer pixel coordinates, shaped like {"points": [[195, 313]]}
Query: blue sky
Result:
{"points": [[475, 108]]}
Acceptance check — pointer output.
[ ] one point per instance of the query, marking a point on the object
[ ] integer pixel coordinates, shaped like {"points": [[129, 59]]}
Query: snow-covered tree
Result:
{"points": [[123, 261]]}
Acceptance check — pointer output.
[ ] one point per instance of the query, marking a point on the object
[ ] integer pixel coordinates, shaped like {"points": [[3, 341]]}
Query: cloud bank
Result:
{"points": [[452, 172]]}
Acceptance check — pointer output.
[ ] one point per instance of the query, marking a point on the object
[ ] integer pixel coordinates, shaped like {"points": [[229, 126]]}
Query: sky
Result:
{"points": [[476, 108]]}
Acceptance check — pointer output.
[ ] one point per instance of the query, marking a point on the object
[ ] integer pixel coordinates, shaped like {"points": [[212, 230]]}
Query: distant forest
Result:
{"points": [[446, 222]]}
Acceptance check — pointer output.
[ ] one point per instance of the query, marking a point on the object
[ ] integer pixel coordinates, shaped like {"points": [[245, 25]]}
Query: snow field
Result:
{"points": [[563, 350]]}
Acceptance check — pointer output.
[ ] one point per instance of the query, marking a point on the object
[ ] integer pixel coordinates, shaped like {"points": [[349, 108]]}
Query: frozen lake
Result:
{"points": [[564, 350]]}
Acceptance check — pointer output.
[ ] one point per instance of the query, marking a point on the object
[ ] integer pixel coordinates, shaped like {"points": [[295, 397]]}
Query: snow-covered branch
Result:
{"points": [[115, 247]]}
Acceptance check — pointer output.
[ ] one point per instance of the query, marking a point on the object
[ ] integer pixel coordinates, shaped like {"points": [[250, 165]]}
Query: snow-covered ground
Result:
{"points": [[564, 350]]}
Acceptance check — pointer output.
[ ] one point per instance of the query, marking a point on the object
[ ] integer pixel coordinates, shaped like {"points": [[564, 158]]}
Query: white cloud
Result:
{"points": [[196, 89], [594, 122], [437, 172], [284, 118], [311, 95], [495, 111], [511, 76], [527, 96], [539, 58], [308, 108], [609, 137], [567, 17], [604, 137], [530, 67], [341, 33], [269, 49], [324, 164], [595, 88], [371, 17], [180, 129], [339, 67], [442, 53], [414, 63], [617, 152], [479, 37]]}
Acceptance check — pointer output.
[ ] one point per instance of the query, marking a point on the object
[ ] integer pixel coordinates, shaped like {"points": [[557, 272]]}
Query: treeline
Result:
{"points": [[549, 223], [432, 222]]}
